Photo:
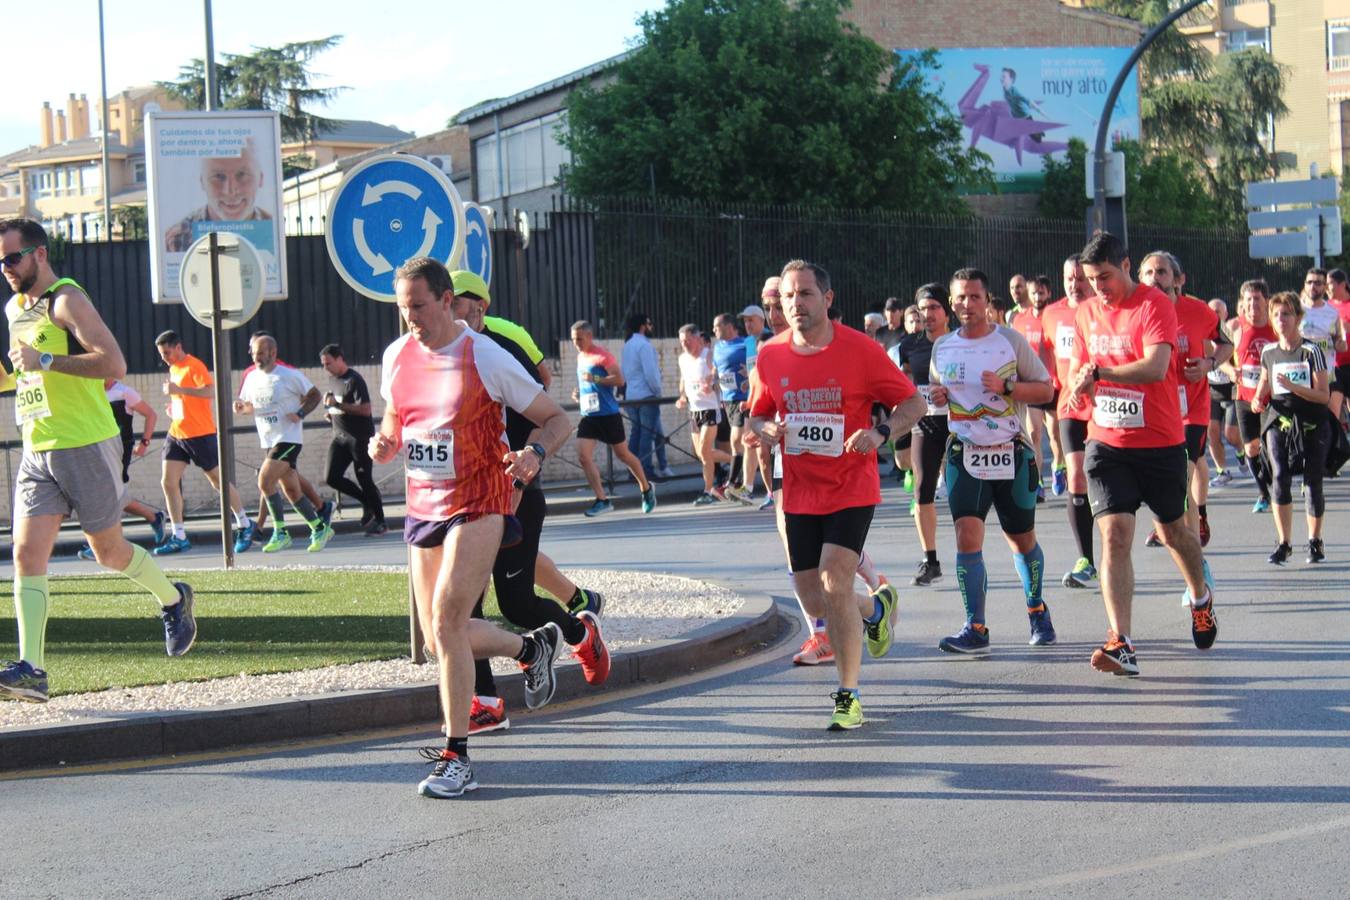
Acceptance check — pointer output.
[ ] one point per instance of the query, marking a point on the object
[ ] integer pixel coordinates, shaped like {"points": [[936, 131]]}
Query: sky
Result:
{"points": [[488, 49]]}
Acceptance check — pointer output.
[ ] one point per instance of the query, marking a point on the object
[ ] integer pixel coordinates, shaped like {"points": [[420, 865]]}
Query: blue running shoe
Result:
{"points": [[649, 498], [1262, 505], [86, 552], [173, 545], [586, 601], [1061, 482], [157, 527], [243, 537], [598, 508], [180, 626], [326, 511], [969, 640], [1042, 629], [23, 682]]}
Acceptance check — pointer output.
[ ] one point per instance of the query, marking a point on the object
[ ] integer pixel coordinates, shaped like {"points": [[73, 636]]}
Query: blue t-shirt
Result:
{"points": [[596, 399], [729, 358]]}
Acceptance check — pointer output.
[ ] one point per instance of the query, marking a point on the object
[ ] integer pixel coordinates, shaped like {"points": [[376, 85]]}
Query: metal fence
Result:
{"points": [[676, 262]]}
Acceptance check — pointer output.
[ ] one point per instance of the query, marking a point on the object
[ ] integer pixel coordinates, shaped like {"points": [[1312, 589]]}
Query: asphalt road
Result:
{"points": [[1215, 774]]}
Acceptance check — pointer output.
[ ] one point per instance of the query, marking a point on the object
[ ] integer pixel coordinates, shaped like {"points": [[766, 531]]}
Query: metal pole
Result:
{"points": [[220, 347], [1104, 123], [103, 77]]}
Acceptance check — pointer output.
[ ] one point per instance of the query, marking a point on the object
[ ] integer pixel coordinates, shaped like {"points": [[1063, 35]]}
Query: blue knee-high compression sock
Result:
{"points": [[974, 582], [1031, 569]]}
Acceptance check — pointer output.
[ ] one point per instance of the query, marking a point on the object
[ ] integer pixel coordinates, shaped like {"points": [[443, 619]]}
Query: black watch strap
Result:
{"points": [[884, 430], [538, 451]]}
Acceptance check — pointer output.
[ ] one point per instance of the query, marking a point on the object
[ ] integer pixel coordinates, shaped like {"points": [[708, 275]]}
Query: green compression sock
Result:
{"points": [[144, 572], [30, 608]]}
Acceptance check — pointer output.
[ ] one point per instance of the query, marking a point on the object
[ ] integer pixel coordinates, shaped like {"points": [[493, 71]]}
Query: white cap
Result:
{"points": [[753, 310]]}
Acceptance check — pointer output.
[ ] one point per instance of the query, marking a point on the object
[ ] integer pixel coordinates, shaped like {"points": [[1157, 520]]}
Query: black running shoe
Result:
{"points": [[929, 573], [1204, 627], [1316, 552], [1281, 555], [539, 677]]}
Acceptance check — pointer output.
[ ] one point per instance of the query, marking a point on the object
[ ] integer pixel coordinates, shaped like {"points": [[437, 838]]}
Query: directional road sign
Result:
{"points": [[1284, 193], [388, 210], [477, 256]]}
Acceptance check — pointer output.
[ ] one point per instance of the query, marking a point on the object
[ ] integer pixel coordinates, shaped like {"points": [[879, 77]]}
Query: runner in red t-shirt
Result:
{"points": [[1199, 343], [1339, 295], [1030, 324], [1251, 333], [1072, 422], [813, 393], [1136, 454]]}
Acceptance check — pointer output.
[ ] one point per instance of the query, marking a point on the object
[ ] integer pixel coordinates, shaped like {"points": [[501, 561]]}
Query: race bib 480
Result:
{"points": [[818, 433]]}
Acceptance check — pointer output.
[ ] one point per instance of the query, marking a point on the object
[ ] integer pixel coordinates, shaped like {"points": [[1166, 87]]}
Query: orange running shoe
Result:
{"points": [[815, 651], [1115, 656], [592, 652], [485, 717]]}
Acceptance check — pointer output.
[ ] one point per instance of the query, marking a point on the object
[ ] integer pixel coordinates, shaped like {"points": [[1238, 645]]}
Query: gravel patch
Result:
{"points": [[640, 608]]}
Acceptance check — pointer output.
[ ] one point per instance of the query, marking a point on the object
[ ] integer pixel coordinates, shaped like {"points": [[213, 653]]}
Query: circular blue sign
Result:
{"points": [[477, 256], [388, 210]]}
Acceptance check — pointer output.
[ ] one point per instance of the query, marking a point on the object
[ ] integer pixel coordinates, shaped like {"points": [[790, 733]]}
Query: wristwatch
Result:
{"points": [[539, 451], [45, 361], [1008, 386], [884, 430]]}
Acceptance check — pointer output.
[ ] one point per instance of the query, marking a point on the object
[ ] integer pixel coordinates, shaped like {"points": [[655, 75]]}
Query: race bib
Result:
{"points": [[1118, 408], [30, 398], [818, 433], [728, 381], [1064, 342], [429, 455], [1251, 376], [927, 391], [1181, 397], [990, 463], [1297, 372], [590, 403]]}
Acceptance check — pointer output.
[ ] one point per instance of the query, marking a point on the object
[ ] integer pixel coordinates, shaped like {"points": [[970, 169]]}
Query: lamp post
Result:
{"points": [[1097, 220]]}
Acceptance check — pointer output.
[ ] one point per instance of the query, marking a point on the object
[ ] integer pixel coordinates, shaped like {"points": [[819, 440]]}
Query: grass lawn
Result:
{"points": [[105, 631]]}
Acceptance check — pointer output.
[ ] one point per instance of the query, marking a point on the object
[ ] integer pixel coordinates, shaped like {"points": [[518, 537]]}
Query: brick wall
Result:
{"points": [[902, 24]]}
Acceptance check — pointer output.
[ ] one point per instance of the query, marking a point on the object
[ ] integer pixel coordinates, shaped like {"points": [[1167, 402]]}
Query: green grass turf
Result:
{"points": [[105, 631]]}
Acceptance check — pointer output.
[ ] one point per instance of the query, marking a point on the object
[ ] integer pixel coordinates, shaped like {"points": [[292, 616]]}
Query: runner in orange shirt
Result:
{"points": [[1251, 333], [1028, 323]]}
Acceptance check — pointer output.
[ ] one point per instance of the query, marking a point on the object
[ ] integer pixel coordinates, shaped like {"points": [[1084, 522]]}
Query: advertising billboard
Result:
{"points": [[1022, 104], [213, 171]]}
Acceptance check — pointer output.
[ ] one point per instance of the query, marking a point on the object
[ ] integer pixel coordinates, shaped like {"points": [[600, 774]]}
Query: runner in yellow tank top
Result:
{"points": [[61, 351]]}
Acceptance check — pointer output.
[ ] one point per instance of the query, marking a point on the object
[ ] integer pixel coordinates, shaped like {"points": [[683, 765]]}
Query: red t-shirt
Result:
{"points": [[1032, 327], [823, 398], [1343, 310], [1057, 322], [1196, 323], [1130, 416], [1250, 340]]}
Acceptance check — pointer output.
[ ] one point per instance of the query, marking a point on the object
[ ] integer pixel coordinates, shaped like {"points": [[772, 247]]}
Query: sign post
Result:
{"points": [[386, 211], [1294, 218]]}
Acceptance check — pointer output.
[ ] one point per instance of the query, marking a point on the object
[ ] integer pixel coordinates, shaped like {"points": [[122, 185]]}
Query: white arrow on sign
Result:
{"points": [[378, 264], [375, 192], [430, 221]]}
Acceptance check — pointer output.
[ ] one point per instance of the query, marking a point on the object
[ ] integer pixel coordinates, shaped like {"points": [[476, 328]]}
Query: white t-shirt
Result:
{"points": [[1318, 325], [700, 384], [274, 394], [973, 413], [120, 391]]}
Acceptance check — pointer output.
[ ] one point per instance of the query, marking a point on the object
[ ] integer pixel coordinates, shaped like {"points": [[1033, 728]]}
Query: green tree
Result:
{"points": [[1217, 111], [275, 78], [1161, 188], [767, 101]]}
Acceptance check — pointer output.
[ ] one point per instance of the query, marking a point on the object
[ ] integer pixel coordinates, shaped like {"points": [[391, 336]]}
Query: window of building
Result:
{"points": [[138, 171], [1242, 38], [91, 179], [1338, 38], [530, 155]]}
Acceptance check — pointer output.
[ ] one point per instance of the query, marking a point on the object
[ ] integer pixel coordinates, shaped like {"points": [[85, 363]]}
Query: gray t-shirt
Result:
{"points": [[1298, 365], [974, 414]]}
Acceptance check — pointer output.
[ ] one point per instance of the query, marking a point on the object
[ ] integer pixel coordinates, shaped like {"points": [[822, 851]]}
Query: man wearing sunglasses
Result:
{"points": [[72, 451]]}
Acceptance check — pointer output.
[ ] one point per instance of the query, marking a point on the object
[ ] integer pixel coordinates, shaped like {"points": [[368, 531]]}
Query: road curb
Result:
{"points": [[140, 735]]}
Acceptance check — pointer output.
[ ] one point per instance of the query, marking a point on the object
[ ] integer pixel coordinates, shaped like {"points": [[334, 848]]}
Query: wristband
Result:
{"points": [[884, 430]]}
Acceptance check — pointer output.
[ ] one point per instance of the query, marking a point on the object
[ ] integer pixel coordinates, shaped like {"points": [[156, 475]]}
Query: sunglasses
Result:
{"points": [[13, 259]]}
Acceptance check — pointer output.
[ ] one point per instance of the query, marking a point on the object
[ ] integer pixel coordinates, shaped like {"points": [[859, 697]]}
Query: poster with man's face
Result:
{"points": [[213, 171]]}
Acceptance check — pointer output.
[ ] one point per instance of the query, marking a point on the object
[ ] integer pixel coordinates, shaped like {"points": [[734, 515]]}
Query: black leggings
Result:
{"points": [[1315, 444], [345, 451], [513, 578], [925, 455]]}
